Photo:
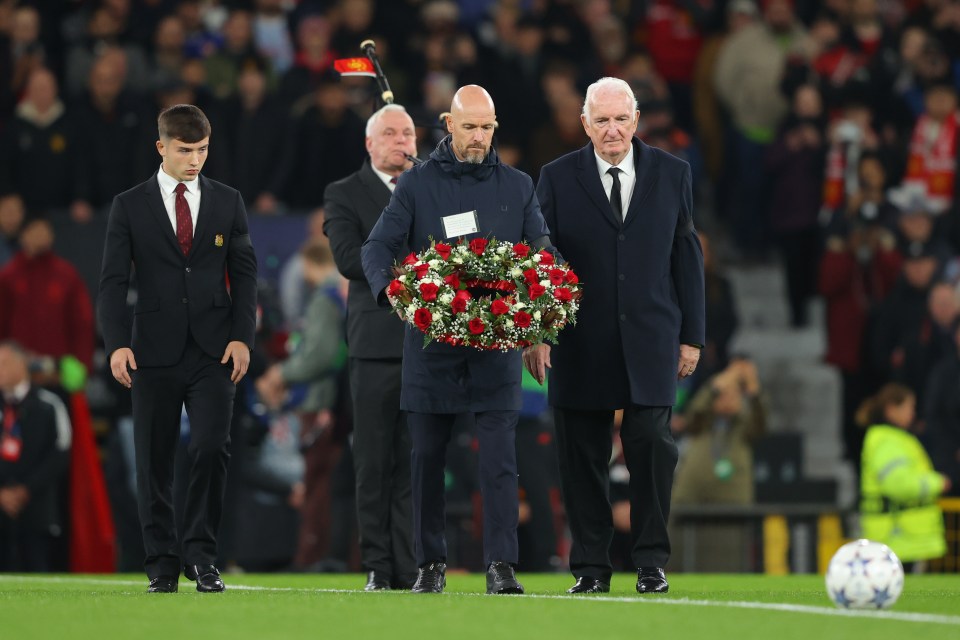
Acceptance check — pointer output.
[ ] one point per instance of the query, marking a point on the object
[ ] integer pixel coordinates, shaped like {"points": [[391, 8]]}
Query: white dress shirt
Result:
{"points": [[628, 178], [386, 177], [168, 189]]}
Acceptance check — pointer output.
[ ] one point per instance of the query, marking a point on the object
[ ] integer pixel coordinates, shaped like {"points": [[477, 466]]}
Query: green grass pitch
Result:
{"points": [[702, 607]]}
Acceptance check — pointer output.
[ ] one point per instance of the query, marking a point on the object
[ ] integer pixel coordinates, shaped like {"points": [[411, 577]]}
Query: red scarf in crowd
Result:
{"points": [[92, 534], [932, 163], [834, 175]]}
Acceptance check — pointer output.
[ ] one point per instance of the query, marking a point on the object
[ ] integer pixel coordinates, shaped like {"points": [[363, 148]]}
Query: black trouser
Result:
{"points": [[584, 441], [381, 459], [429, 434], [203, 385], [537, 464], [24, 549]]}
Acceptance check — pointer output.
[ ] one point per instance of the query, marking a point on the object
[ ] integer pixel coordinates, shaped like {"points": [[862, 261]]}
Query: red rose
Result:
{"points": [[395, 288], [421, 270], [476, 326], [443, 249], [563, 294], [531, 276], [556, 276], [499, 307], [478, 245], [536, 290], [410, 259], [428, 291], [453, 280], [422, 318], [459, 305], [546, 257], [571, 278], [522, 319], [521, 250]]}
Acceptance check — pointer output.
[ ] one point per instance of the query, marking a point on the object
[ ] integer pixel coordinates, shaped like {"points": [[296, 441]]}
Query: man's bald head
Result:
{"points": [[472, 99], [471, 123]]}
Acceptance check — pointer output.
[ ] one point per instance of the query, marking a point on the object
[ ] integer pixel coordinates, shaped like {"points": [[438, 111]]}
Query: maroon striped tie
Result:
{"points": [[184, 223]]}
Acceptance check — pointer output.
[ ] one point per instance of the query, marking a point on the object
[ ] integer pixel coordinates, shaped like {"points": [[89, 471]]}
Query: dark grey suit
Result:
{"points": [[381, 442]]}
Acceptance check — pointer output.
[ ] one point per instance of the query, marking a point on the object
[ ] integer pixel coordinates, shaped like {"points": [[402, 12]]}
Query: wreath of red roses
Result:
{"points": [[485, 294]]}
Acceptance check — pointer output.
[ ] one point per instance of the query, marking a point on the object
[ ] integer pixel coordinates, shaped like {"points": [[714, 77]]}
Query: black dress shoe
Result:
{"points": [[651, 580], [586, 584], [163, 584], [431, 578], [502, 579], [377, 581], [207, 577]]}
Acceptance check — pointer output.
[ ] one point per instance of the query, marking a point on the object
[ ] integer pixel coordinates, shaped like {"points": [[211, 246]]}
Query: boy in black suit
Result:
{"points": [[188, 344]]}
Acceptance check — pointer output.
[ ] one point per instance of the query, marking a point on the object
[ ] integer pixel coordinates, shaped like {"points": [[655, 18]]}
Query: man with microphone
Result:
{"points": [[381, 443]]}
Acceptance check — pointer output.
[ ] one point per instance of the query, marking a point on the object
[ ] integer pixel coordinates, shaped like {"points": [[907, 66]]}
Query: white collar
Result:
{"points": [[626, 165], [168, 184], [385, 177], [19, 392]]}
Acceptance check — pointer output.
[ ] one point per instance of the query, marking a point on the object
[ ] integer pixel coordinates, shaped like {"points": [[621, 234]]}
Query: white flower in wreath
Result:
{"points": [[516, 272], [433, 263], [509, 324], [519, 305], [536, 315], [502, 249], [545, 283], [446, 298], [402, 278], [457, 259], [536, 257]]}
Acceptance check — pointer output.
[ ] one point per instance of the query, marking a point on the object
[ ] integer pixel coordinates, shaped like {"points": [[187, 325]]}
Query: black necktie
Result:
{"points": [[615, 202]]}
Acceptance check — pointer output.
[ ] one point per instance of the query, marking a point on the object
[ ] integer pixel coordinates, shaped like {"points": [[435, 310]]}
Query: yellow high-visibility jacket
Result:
{"points": [[899, 491]]}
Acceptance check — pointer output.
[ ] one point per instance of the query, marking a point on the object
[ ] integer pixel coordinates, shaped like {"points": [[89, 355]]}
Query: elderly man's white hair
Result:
{"points": [[608, 84], [375, 118]]}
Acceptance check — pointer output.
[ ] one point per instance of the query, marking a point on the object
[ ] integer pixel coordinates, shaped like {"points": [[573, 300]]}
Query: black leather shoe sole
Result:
{"points": [[506, 589], [589, 585], [377, 585], [651, 580], [438, 589], [210, 585], [652, 585], [162, 585]]}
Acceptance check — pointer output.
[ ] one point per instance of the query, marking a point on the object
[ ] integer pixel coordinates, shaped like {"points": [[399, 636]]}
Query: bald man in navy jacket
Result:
{"points": [[463, 175]]}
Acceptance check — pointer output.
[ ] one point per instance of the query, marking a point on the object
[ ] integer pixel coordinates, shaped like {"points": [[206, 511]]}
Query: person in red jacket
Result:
{"points": [[859, 267], [44, 304]]}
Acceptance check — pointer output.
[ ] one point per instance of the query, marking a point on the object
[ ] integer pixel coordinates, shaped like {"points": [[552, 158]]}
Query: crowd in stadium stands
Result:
{"points": [[823, 133]]}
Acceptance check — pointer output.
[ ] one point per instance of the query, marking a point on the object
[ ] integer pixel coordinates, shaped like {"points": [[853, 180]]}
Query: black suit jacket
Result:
{"points": [[46, 435], [643, 285], [177, 295], [351, 207]]}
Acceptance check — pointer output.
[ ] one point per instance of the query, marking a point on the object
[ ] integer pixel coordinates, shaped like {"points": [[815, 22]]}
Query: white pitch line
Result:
{"points": [[902, 616]]}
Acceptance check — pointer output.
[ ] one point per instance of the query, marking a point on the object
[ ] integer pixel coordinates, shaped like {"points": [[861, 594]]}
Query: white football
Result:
{"points": [[864, 575]]}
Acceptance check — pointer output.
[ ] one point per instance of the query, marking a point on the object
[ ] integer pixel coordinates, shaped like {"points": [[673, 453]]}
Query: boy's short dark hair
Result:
{"points": [[183, 122]]}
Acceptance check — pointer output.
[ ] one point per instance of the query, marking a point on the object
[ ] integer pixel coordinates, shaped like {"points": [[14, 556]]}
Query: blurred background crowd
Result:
{"points": [[823, 137]]}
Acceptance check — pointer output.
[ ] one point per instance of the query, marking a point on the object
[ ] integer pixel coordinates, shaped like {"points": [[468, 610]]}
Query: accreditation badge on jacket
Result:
{"points": [[10, 448], [11, 445]]}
